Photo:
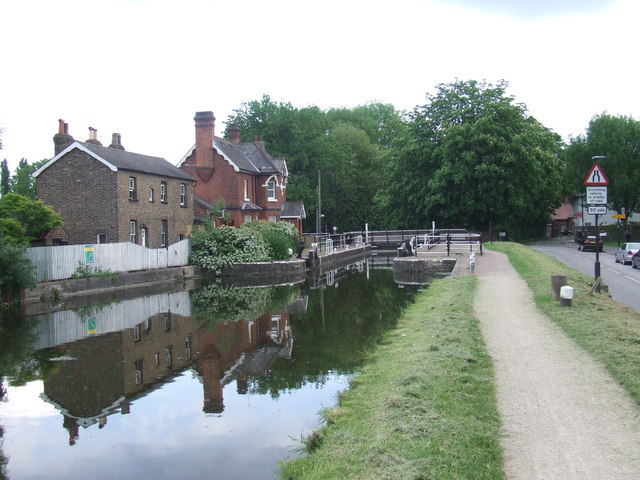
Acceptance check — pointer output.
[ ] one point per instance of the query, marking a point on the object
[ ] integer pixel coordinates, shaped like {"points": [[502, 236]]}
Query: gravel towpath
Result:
{"points": [[563, 415]]}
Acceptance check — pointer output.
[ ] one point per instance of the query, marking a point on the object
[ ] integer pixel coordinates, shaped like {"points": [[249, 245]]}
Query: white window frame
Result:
{"points": [[144, 236], [271, 191], [183, 194], [245, 184], [133, 231], [151, 195], [248, 218], [133, 191], [163, 192], [273, 218]]}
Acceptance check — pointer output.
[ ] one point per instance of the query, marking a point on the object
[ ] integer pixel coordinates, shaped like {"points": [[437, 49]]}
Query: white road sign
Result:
{"points": [[599, 210], [596, 195]]}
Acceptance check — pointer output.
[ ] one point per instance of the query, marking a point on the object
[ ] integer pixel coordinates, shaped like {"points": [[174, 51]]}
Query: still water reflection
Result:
{"points": [[215, 382]]}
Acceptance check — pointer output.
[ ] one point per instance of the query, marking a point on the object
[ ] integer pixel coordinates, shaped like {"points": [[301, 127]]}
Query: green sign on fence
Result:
{"points": [[89, 254]]}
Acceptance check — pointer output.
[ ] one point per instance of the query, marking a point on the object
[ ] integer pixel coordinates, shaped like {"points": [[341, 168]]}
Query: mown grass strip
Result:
{"points": [[423, 407], [608, 330]]}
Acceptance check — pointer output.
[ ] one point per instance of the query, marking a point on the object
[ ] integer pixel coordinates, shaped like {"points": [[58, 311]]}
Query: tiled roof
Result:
{"points": [[293, 210], [136, 162], [246, 157], [117, 159]]}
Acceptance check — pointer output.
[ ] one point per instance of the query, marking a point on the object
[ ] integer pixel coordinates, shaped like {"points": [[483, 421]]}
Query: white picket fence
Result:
{"points": [[60, 262]]}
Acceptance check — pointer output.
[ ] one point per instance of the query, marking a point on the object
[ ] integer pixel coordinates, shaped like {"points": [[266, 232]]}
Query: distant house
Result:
{"points": [[562, 220], [106, 194], [239, 181]]}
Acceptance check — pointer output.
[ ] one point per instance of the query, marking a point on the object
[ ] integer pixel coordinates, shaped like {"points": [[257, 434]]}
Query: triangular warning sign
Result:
{"points": [[596, 176]]}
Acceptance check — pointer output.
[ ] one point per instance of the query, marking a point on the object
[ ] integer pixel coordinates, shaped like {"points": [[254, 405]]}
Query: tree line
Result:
{"points": [[470, 157]]}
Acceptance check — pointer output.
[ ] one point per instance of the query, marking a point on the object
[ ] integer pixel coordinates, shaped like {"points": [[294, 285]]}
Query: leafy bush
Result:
{"points": [[279, 237], [16, 271], [88, 271], [215, 249]]}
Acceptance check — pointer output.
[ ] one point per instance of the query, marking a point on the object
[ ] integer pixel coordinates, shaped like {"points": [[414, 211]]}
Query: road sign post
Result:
{"points": [[596, 183]]}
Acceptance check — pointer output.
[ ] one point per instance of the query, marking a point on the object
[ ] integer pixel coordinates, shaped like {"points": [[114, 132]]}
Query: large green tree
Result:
{"points": [[23, 220], [22, 181], [617, 138], [340, 150], [4, 177], [473, 158]]}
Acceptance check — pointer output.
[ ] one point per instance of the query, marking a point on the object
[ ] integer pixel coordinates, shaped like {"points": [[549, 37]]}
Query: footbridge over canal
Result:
{"points": [[412, 242]]}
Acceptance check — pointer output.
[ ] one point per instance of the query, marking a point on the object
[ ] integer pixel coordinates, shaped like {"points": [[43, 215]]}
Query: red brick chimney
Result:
{"points": [[62, 139], [234, 133], [205, 132]]}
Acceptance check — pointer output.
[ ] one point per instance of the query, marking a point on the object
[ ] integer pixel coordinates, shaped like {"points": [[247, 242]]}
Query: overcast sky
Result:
{"points": [[142, 68]]}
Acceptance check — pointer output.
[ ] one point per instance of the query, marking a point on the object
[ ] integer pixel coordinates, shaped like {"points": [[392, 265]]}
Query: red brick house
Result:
{"points": [[240, 176], [106, 194]]}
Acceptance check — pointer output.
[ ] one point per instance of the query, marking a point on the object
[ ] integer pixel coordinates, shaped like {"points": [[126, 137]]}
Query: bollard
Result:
{"points": [[566, 296], [472, 262], [557, 281]]}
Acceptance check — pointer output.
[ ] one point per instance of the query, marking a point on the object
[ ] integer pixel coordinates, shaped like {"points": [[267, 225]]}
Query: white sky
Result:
{"points": [[142, 68]]}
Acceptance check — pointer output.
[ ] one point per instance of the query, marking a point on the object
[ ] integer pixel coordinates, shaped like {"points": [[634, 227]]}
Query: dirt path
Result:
{"points": [[563, 416]]}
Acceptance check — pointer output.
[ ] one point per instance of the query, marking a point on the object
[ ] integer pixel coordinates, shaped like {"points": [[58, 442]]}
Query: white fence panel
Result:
{"points": [[61, 262]]}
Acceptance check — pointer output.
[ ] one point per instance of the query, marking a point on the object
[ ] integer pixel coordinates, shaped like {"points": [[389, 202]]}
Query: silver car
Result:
{"points": [[626, 251]]}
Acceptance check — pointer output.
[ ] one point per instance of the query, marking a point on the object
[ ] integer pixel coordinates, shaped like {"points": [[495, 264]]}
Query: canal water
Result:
{"points": [[216, 382]]}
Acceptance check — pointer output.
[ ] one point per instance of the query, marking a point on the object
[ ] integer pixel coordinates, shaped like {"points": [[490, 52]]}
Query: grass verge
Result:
{"points": [[423, 407], [608, 330]]}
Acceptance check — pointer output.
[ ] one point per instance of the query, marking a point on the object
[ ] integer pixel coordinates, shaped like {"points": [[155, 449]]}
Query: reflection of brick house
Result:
{"points": [[242, 175], [106, 194]]}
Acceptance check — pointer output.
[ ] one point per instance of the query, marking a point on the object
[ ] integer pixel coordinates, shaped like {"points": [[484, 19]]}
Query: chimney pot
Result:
{"points": [[62, 139], [93, 137], [116, 140]]}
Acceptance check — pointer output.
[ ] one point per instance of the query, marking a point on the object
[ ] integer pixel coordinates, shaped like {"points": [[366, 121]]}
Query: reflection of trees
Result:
{"points": [[341, 325], [217, 302], [3, 460]]}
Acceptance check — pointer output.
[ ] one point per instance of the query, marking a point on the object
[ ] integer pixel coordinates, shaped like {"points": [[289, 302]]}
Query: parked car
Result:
{"points": [[635, 260], [626, 251], [589, 243]]}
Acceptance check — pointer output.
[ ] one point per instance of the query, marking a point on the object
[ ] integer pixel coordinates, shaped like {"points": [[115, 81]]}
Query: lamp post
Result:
{"points": [[595, 159]]}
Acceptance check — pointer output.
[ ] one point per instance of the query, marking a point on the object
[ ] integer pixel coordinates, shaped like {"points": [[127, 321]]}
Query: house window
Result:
{"points": [[271, 190], [168, 356], [247, 218], [133, 193], [138, 366], [183, 195], [151, 195], [163, 192], [156, 358], [144, 235], [133, 231], [187, 346], [272, 218], [164, 234], [102, 238], [167, 321], [246, 190], [136, 333]]}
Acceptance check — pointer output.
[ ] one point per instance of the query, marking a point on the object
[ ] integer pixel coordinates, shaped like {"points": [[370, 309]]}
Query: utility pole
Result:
{"points": [[318, 211]]}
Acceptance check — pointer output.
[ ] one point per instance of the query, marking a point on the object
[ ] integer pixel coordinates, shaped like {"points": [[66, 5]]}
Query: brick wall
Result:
{"points": [[93, 200], [150, 214], [81, 190]]}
